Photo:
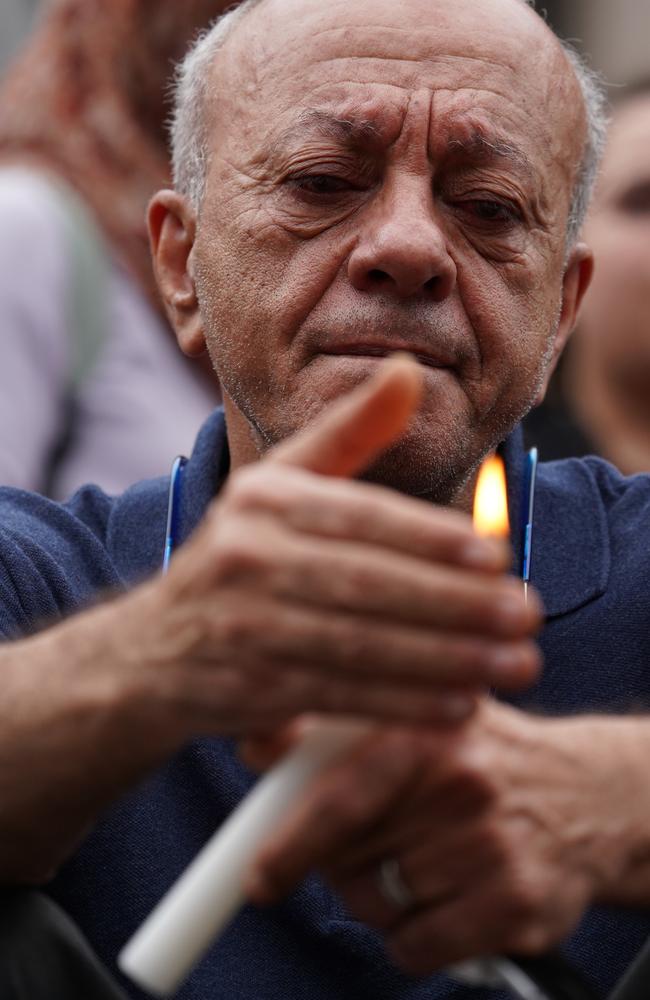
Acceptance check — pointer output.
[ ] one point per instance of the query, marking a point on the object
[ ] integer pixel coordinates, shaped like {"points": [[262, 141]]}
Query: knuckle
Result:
{"points": [[237, 554], [340, 698], [291, 693], [353, 811], [238, 627], [352, 585], [530, 939], [336, 811], [352, 644], [473, 777], [526, 900]]}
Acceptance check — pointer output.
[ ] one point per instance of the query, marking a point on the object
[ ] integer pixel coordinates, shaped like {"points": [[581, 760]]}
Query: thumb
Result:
{"points": [[355, 429]]}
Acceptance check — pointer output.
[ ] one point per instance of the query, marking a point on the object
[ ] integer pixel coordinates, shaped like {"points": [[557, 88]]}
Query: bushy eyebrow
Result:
{"points": [[481, 146], [360, 132], [351, 131]]}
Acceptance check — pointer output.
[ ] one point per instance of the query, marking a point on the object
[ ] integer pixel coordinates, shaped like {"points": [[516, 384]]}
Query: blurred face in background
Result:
{"points": [[615, 319]]}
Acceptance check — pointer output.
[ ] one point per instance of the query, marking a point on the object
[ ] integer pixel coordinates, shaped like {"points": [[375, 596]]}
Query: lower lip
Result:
{"points": [[374, 359]]}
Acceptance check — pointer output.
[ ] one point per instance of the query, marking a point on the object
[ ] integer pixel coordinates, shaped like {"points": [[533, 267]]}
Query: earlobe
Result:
{"points": [[172, 231], [576, 281]]}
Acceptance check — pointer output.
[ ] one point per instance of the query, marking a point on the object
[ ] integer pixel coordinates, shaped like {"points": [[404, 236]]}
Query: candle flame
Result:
{"points": [[491, 499]]}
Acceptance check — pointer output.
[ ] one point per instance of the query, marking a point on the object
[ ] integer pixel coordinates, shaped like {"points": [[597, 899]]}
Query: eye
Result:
{"points": [[322, 184], [489, 210]]}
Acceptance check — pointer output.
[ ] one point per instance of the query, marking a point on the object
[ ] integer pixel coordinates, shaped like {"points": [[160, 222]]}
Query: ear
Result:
{"points": [[172, 230], [576, 281]]}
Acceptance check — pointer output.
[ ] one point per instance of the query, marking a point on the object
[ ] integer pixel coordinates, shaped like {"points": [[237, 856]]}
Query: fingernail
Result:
{"points": [[478, 554], [511, 611], [504, 664]]}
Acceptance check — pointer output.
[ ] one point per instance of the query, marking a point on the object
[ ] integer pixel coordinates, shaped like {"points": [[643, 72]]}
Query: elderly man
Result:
{"points": [[352, 179]]}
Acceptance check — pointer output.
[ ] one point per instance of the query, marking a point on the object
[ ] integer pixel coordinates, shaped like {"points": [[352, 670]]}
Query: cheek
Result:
{"points": [[257, 285], [511, 312]]}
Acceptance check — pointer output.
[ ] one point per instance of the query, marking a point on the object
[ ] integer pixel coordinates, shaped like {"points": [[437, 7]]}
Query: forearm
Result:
{"points": [[623, 746], [76, 729], [583, 785]]}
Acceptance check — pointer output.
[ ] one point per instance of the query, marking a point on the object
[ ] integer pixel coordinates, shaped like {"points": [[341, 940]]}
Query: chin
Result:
{"points": [[436, 470]]}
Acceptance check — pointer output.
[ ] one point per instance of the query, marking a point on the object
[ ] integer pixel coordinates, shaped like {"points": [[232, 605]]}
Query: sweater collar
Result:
{"points": [[570, 554]]}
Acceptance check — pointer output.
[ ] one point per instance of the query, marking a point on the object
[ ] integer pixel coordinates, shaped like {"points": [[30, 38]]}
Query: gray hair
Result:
{"points": [[189, 127], [190, 141]]}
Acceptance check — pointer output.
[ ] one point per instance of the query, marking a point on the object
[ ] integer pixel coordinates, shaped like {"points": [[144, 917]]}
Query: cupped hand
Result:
{"points": [[504, 829], [305, 591]]}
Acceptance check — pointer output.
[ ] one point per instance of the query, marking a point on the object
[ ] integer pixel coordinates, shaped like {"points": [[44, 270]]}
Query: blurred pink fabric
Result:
{"points": [[84, 106]]}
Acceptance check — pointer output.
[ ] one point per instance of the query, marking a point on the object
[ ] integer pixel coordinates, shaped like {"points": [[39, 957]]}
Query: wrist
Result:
{"points": [[587, 780], [624, 748], [97, 674], [132, 653], [68, 744]]}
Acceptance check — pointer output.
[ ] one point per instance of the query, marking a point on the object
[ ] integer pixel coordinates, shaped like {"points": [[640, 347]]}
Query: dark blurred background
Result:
{"points": [[613, 34]]}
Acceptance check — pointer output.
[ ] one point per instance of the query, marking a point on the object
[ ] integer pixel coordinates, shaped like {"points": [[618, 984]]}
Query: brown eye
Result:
{"points": [[322, 184], [495, 211]]}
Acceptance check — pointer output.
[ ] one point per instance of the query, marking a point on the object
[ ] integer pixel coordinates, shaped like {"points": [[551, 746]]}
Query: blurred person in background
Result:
{"points": [[92, 387], [15, 19], [599, 402]]}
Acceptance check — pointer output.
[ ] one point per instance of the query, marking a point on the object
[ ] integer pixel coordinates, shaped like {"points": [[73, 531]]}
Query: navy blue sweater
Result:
{"points": [[591, 566]]}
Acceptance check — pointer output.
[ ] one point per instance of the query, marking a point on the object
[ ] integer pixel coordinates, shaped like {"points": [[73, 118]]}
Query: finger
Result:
{"points": [[367, 901], [341, 801], [484, 916], [268, 636], [478, 921], [358, 427], [355, 578], [433, 831], [433, 865], [209, 701], [264, 751], [440, 934], [359, 512]]}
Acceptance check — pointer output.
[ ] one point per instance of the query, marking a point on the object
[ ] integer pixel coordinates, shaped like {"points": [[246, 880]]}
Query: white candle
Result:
{"points": [[210, 892]]}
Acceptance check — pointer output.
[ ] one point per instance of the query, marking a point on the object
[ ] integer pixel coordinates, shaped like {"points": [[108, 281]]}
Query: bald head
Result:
{"points": [[568, 91]]}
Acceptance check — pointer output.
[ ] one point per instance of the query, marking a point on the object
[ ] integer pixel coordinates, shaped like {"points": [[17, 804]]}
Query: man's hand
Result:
{"points": [[504, 830], [303, 591], [300, 592]]}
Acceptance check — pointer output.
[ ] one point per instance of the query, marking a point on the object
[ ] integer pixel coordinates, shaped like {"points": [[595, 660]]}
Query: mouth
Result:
{"points": [[376, 352]]}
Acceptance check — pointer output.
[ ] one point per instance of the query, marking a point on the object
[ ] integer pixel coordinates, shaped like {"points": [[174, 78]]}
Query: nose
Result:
{"points": [[402, 250]]}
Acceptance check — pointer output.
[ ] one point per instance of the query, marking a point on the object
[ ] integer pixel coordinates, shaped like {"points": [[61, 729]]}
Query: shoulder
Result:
{"points": [[52, 557], [58, 558], [590, 527], [592, 486]]}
